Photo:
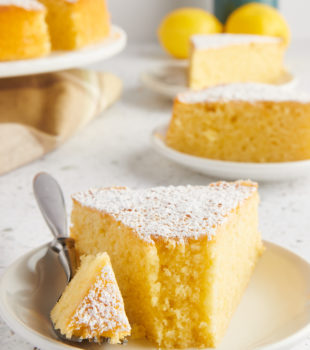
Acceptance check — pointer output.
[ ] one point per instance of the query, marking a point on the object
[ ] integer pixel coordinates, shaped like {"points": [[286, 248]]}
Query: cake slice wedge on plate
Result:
{"points": [[182, 255], [230, 58], [243, 123]]}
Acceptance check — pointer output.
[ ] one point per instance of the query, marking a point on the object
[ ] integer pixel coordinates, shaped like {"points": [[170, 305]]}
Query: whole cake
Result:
{"points": [[91, 306], [182, 255], [242, 122], [76, 23], [23, 31], [228, 58], [31, 28]]}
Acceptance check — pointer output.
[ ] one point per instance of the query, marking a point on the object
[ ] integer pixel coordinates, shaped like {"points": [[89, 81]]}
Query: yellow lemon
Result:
{"points": [[178, 26], [261, 19]]}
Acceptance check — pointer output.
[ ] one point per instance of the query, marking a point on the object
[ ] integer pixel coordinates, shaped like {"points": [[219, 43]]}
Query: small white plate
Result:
{"points": [[170, 79], [60, 60], [274, 312], [228, 170]]}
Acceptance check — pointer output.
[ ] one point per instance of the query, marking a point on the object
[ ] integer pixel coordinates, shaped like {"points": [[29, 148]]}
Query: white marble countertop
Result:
{"points": [[115, 150]]}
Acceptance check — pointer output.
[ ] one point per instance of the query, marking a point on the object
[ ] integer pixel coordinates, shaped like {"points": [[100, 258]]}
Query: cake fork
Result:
{"points": [[51, 202]]}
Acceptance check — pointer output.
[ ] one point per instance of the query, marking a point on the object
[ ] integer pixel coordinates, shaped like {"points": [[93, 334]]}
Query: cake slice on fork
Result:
{"points": [[91, 306]]}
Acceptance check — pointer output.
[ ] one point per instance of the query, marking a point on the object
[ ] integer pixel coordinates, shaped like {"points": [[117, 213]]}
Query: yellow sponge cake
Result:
{"points": [[23, 31], [228, 58], [182, 255], [242, 122], [91, 306], [76, 23]]}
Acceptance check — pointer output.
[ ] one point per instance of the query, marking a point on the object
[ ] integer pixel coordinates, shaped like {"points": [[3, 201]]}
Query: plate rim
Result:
{"points": [[27, 333], [160, 145], [62, 60], [23, 330]]}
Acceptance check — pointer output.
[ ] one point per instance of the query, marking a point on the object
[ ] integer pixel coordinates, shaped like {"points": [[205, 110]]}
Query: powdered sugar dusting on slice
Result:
{"points": [[102, 309], [214, 41], [250, 92], [177, 212], [25, 4]]}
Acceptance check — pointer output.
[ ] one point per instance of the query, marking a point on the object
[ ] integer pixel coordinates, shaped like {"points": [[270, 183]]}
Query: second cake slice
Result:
{"points": [[242, 122], [229, 58]]}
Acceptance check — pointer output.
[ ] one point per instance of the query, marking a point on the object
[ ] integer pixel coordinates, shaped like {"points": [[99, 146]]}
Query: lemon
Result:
{"points": [[261, 19], [178, 26]]}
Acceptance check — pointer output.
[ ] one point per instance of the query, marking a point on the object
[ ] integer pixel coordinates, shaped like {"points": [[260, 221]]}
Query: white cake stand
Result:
{"points": [[60, 60]]}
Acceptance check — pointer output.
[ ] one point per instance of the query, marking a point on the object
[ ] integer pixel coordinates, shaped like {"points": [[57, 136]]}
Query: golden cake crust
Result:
{"points": [[23, 31]]}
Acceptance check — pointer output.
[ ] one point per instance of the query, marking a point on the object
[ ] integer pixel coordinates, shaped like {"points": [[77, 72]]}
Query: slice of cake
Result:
{"points": [[242, 122], [182, 255], [228, 58], [91, 306], [23, 31], [76, 23]]}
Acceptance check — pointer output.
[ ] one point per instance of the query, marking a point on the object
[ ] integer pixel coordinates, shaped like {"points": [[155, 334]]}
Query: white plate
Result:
{"points": [[227, 170], [60, 60], [274, 312], [169, 79]]}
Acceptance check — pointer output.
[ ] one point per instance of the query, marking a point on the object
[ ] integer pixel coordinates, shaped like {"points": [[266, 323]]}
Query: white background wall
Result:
{"points": [[140, 18]]}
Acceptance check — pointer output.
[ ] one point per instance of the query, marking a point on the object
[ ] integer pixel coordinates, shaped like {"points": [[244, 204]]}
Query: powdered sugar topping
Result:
{"points": [[250, 92], [102, 309], [171, 212], [25, 4], [214, 41]]}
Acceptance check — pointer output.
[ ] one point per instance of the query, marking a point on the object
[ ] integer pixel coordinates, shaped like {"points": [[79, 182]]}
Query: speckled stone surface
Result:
{"points": [[115, 150]]}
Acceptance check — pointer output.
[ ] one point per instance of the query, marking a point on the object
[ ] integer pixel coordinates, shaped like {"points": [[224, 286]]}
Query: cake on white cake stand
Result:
{"points": [[61, 60]]}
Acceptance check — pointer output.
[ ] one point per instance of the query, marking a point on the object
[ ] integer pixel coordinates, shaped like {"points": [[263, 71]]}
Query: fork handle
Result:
{"points": [[65, 247], [51, 202]]}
